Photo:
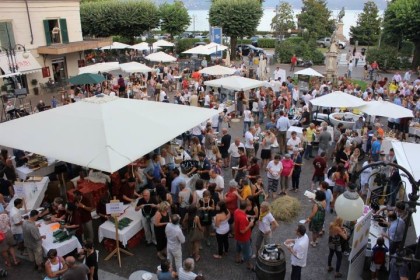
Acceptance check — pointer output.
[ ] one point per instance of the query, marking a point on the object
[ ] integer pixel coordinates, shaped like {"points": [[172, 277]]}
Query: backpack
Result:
{"points": [[379, 255]]}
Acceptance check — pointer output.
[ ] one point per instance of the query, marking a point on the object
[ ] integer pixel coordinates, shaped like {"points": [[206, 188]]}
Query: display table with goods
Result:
{"points": [[91, 191], [61, 240], [36, 166], [32, 191], [129, 225]]}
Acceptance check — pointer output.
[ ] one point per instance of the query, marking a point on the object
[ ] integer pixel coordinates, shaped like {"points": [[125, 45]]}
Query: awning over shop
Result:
{"points": [[58, 49], [25, 65]]}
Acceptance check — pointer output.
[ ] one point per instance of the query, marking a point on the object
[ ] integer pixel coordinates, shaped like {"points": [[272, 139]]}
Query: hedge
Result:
{"points": [[389, 57], [267, 43], [286, 49]]}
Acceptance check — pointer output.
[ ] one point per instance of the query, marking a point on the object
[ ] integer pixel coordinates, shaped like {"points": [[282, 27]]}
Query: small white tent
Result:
{"points": [[235, 83]]}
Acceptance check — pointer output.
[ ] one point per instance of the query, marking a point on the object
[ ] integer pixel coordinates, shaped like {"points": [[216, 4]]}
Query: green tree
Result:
{"points": [[402, 22], [174, 18], [237, 18], [283, 20], [368, 27], [316, 18], [125, 18]]}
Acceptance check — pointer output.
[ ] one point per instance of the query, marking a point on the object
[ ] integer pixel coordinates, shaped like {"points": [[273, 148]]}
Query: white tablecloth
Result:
{"points": [[34, 194], [230, 108], [63, 248], [24, 172], [107, 229]]}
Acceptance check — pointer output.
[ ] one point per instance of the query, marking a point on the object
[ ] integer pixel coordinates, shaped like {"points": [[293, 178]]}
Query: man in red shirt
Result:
{"points": [[320, 164], [293, 62], [243, 235]]}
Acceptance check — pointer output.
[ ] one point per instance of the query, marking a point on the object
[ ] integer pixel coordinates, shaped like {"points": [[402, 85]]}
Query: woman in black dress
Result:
{"points": [[161, 220], [91, 261]]}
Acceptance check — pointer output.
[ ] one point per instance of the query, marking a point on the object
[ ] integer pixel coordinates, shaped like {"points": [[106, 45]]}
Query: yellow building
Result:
{"points": [[50, 31]]}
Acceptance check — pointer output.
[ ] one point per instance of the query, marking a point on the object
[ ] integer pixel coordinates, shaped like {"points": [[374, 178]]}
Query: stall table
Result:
{"points": [[34, 194], [63, 248], [24, 172], [90, 190], [107, 229]]}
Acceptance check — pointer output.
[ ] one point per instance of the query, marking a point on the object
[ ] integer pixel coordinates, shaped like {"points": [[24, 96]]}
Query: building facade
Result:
{"points": [[51, 33]]}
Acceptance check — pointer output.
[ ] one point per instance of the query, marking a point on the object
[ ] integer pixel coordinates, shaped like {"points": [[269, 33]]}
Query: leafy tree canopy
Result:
{"points": [[368, 28], [402, 21], [316, 18], [174, 18], [238, 18], [125, 18]]}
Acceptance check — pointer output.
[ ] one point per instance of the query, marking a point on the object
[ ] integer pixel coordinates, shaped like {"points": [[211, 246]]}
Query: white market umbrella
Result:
{"points": [[160, 57], [116, 46], [408, 156], [217, 70], [196, 50], [135, 67], [309, 72], [216, 46], [163, 43], [99, 67], [385, 109], [235, 83], [109, 135], [338, 99], [143, 46]]}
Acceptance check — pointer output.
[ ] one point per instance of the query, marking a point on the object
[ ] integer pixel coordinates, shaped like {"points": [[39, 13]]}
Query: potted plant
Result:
{"points": [[34, 82]]}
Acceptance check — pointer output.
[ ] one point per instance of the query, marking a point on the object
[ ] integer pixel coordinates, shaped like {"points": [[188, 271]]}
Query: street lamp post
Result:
{"points": [[349, 202]]}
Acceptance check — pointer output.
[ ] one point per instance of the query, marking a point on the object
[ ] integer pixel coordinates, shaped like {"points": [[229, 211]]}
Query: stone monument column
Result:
{"points": [[339, 32]]}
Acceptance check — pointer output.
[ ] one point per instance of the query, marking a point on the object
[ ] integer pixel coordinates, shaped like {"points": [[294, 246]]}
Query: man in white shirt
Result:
{"points": [[175, 239], [283, 124], [218, 180], [234, 154], [397, 77], [186, 272], [207, 100], [16, 222], [293, 142], [249, 142], [277, 73], [407, 76], [162, 95], [299, 251]]}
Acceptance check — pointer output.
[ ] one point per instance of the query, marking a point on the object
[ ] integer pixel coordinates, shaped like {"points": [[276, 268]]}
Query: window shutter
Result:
{"points": [[64, 33], [47, 32]]}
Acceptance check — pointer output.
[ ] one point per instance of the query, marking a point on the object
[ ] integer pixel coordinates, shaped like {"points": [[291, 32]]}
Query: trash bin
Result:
{"points": [[271, 263]]}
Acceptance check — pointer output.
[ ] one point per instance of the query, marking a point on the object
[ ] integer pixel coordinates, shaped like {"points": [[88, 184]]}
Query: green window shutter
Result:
{"points": [[64, 33], [47, 32]]}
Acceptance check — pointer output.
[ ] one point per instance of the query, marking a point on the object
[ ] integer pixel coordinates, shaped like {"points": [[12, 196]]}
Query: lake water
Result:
{"points": [[200, 22]]}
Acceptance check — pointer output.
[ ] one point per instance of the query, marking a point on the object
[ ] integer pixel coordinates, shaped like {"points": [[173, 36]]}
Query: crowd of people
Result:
{"points": [[233, 179]]}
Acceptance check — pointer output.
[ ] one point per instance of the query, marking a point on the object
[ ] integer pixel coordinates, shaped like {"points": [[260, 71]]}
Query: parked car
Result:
{"points": [[303, 63], [326, 43], [247, 48]]}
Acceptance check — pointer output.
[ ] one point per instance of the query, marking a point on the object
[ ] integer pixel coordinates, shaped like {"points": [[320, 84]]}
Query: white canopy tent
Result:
{"points": [[309, 72], [408, 156], [160, 57], [386, 109], [217, 70], [143, 46], [116, 46], [99, 67], [135, 67], [235, 83], [338, 99], [105, 133], [163, 43], [196, 50], [206, 49]]}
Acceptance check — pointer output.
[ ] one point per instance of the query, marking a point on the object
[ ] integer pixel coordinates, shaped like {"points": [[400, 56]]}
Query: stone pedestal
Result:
{"points": [[331, 66], [339, 32]]}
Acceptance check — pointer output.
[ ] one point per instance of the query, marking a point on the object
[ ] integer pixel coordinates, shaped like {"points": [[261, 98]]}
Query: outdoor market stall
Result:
{"points": [[64, 247], [160, 57], [385, 109], [23, 172], [34, 192], [107, 229], [100, 67], [116, 46]]}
